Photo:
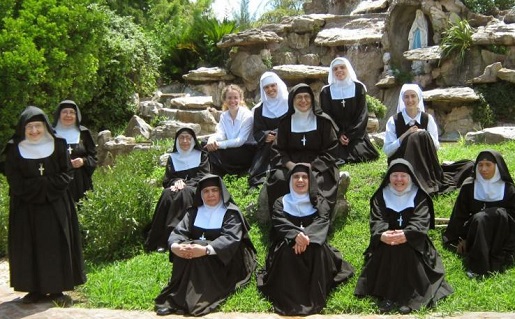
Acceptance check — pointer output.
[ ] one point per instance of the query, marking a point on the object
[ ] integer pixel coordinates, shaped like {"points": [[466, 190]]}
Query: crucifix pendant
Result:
{"points": [[202, 237], [301, 226], [400, 220], [343, 103], [70, 149], [41, 169], [303, 140]]}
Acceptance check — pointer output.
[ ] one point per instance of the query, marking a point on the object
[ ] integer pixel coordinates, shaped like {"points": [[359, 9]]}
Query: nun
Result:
{"points": [[301, 267], [211, 252], [402, 267], [267, 115], [81, 147], [44, 244], [187, 164], [482, 224], [344, 100]]}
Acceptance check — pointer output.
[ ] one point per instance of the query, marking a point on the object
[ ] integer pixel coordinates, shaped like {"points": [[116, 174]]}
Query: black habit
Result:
{"points": [[85, 149], [351, 117], [44, 244], [487, 226], [316, 147], [300, 284], [199, 285], [172, 205], [261, 128], [410, 274]]}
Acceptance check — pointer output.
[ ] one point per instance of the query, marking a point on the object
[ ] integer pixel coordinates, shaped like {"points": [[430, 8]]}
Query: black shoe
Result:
{"points": [[61, 300], [32, 297], [386, 306], [404, 310], [164, 311]]}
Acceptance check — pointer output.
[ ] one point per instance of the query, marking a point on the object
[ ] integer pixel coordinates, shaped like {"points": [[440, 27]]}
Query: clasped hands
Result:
{"points": [[178, 185], [77, 162], [188, 251], [393, 237], [301, 243]]}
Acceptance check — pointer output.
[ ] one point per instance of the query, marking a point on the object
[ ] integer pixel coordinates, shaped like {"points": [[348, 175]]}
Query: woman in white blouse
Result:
{"points": [[231, 149]]}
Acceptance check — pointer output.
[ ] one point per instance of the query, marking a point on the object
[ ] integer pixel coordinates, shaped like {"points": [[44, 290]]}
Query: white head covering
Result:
{"points": [[342, 89], [277, 106], [70, 133], [398, 201], [37, 149], [297, 204], [489, 190], [183, 160], [413, 87]]}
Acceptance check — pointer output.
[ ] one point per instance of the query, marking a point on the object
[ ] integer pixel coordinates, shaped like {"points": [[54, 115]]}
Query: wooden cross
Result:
{"points": [[41, 169], [303, 140]]}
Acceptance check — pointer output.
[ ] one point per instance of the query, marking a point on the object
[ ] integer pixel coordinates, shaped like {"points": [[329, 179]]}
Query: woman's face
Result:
{"points": [[68, 116], [302, 101], [271, 90], [300, 182], [211, 195], [411, 100], [185, 140], [232, 99], [35, 130], [340, 71], [399, 181], [486, 169]]}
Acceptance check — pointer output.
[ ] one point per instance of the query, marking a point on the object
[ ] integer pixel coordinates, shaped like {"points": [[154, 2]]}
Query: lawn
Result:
{"points": [[134, 282]]}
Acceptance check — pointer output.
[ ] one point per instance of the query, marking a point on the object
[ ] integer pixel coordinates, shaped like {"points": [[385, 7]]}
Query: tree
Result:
{"points": [[281, 9]]}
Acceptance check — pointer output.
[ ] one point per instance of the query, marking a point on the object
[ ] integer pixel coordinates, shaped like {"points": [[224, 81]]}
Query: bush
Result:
{"points": [[114, 216], [499, 96], [376, 106], [457, 40], [4, 214], [488, 7]]}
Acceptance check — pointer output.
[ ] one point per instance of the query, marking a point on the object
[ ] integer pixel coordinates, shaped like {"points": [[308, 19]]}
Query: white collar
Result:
{"points": [[408, 119], [278, 106], [36, 150], [398, 201], [210, 217], [185, 160], [489, 190], [303, 121], [298, 205]]}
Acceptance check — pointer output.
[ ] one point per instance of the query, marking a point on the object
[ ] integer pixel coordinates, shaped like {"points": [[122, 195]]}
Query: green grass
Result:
{"points": [[134, 283]]}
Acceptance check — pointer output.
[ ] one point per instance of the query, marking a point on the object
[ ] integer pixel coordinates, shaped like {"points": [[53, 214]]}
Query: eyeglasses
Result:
{"points": [[64, 112], [303, 96], [37, 126], [184, 138]]}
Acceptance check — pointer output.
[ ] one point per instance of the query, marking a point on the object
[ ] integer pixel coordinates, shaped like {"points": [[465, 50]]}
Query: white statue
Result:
{"points": [[418, 33]]}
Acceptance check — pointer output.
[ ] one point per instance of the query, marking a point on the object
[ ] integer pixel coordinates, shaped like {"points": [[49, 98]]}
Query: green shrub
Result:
{"points": [[457, 40], [4, 214], [500, 97], [488, 7], [482, 113], [376, 106], [115, 214]]}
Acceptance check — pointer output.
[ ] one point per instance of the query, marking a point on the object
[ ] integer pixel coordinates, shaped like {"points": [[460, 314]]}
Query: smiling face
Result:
{"points": [[340, 71], [400, 181], [211, 195], [486, 168], [302, 102], [411, 100], [271, 90], [232, 100], [35, 130], [185, 140], [68, 116], [300, 182]]}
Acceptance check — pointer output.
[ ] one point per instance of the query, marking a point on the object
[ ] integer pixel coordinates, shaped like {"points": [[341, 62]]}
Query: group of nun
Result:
{"points": [[49, 171], [300, 147]]}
